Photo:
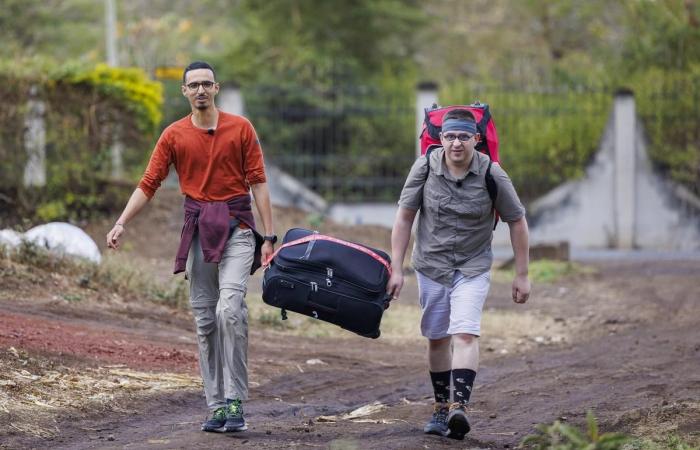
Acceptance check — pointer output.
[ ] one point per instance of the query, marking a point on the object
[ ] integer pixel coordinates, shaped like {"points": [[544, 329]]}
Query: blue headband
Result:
{"points": [[459, 125]]}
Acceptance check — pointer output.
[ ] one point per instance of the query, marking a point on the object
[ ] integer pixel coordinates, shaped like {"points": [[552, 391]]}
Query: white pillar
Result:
{"points": [[111, 34], [117, 149], [426, 97], [116, 153], [35, 140], [231, 100], [625, 168]]}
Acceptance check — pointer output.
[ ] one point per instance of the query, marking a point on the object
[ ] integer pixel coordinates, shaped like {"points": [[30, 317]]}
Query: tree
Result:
{"points": [[663, 34], [314, 39], [60, 27]]}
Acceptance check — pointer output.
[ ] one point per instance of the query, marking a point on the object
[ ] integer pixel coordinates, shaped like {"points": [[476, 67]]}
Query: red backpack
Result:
{"points": [[488, 144], [430, 135]]}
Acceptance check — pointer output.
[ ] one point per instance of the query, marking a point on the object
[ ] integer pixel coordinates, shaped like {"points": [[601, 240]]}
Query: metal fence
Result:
{"points": [[357, 144], [348, 144]]}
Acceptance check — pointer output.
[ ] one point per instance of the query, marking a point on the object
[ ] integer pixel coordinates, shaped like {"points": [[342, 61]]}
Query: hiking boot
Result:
{"points": [[234, 416], [438, 423], [217, 421], [457, 421]]}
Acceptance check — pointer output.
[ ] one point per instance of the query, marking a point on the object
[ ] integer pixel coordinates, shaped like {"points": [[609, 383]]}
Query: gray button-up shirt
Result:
{"points": [[455, 225]]}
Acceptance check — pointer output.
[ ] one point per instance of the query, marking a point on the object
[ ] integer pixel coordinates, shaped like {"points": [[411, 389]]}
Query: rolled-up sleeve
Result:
{"points": [[412, 192], [158, 166], [254, 163], [507, 202]]}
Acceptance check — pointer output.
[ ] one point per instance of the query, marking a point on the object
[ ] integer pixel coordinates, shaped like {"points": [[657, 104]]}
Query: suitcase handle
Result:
{"points": [[323, 237]]}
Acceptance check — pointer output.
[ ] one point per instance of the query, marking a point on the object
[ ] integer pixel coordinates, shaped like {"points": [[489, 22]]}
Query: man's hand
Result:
{"points": [[393, 287], [521, 288], [266, 252], [114, 235]]}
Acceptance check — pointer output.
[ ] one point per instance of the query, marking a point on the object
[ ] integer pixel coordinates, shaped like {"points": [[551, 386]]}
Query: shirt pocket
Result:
{"points": [[469, 208], [431, 201]]}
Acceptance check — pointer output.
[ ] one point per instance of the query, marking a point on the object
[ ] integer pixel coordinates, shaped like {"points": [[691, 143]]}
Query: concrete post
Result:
{"points": [[111, 34], [231, 100], [117, 154], [625, 168], [35, 140], [426, 96], [117, 149]]}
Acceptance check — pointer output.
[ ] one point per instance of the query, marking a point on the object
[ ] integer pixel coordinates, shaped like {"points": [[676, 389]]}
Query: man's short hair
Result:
{"points": [[197, 65], [461, 114]]}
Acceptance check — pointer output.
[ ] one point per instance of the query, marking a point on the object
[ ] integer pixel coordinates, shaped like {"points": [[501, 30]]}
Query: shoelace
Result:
{"points": [[219, 414], [235, 408], [440, 416]]}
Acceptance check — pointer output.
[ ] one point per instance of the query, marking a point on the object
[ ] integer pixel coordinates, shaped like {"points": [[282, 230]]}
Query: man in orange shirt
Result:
{"points": [[218, 160]]}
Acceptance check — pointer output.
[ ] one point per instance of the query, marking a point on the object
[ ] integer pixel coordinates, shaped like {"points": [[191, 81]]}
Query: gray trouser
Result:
{"points": [[217, 294]]}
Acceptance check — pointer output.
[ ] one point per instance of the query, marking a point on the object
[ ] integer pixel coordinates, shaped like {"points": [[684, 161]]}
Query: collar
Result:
{"points": [[437, 162]]}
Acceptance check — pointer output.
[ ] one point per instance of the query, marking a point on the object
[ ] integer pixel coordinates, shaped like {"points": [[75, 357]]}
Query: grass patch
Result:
{"points": [[116, 273], [567, 437], [399, 321], [563, 436], [512, 331], [545, 271], [33, 391], [668, 442]]}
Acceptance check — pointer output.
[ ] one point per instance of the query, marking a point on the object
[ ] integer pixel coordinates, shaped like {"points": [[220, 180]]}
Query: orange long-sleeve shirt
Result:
{"points": [[211, 167]]}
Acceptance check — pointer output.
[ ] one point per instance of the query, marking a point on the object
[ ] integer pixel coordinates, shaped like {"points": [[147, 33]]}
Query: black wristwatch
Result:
{"points": [[272, 238]]}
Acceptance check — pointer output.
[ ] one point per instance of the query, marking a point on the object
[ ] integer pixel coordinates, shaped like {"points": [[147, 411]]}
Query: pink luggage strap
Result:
{"points": [[323, 237]]}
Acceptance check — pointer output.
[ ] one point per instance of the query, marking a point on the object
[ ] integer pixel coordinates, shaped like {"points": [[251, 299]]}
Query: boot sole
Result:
{"points": [[458, 427], [437, 432], [243, 427]]}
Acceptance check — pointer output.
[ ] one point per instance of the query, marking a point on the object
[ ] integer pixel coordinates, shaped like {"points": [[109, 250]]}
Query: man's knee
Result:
{"points": [[465, 339], [205, 320], [439, 344], [232, 307]]}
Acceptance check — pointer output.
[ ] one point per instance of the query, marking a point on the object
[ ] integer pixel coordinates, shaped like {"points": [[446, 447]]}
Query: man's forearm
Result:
{"points": [[135, 204], [519, 238], [400, 235], [261, 194]]}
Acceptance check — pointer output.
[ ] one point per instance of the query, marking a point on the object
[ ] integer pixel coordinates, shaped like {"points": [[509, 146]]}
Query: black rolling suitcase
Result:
{"points": [[329, 279]]}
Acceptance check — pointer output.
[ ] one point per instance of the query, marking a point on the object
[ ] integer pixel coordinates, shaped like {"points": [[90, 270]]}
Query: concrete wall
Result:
{"points": [[622, 202]]}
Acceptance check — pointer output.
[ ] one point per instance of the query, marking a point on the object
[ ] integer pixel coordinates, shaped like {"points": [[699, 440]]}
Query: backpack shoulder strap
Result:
{"points": [[491, 185], [492, 189], [427, 161]]}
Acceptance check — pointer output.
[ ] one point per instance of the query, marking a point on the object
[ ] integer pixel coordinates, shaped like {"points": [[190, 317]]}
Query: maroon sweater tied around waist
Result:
{"points": [[211, 221]]}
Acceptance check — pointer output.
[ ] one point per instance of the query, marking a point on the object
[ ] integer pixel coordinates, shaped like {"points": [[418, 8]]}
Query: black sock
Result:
{"points": [[441, 386], [463, 381]]}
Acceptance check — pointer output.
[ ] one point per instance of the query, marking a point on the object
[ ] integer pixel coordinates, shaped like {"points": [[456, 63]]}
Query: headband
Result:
{"points": [[454, 124]]}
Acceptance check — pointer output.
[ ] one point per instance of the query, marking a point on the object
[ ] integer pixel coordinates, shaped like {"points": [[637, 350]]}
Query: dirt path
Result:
{"points": [[622, 339], [635, 364]]}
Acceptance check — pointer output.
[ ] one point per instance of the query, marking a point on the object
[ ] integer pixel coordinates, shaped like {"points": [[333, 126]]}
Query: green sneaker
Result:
{"points": [[217, 422], [234, 416]]}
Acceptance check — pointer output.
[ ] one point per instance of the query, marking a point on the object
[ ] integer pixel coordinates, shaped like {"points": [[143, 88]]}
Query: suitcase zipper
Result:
{"points": [[355, 285]]}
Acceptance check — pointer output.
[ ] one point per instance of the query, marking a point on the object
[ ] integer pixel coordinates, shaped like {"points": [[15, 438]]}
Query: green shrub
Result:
{"points": [[85, 110], [560, 436]]}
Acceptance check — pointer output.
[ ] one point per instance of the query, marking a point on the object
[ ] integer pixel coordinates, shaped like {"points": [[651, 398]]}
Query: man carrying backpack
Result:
{"points": [[452, 257], [219, 161]]}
